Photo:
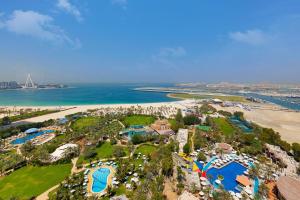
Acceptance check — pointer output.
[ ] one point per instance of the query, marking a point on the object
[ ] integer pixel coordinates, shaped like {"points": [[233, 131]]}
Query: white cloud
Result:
{"points": [[172, 52], [252, 37], [121, 3], [167, 54], [66, 6], [36, 25]]}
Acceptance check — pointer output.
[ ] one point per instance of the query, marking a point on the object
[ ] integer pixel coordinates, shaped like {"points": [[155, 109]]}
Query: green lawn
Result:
{"points": [[145, 149], [104, 151], [82, 123], [224, 126], [31, 181], [138, 120]]}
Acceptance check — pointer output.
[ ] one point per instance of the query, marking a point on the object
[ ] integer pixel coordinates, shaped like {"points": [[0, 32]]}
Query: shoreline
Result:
{"points": [[268, 115]]}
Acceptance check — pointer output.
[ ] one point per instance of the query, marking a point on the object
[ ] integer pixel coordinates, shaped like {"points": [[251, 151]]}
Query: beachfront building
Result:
{"points": [[162, 127], [288, 188], [182, 137], [62, 151]]}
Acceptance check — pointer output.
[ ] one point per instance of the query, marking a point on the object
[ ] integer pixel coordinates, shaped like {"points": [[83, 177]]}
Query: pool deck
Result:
{"points": [[90, 179]]}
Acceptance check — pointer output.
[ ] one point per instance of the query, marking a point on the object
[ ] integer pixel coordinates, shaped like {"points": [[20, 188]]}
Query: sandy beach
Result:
{"points": [[284, 121]]}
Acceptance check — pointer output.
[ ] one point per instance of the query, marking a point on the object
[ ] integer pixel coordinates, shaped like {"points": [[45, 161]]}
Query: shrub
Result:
{"points": [[201, 157], [90, 153], [187, 148], [191, 120]]}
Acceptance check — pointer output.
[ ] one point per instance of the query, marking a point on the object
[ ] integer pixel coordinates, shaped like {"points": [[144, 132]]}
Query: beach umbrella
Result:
{"points": [[203, 178], [204, 183], [238, 195], [248, 191], [201, 193], [232, 193], [218, 182]]}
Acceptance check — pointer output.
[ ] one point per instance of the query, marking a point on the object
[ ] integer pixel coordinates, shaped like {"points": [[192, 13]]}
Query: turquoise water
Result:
{"points": [[100, 179], [83, 94], [245, 126], [209, 164], [28, 137]]}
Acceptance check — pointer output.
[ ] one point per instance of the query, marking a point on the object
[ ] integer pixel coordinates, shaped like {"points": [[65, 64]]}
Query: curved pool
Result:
{"points": [[28, 137], [229, 172], [100, 177]]}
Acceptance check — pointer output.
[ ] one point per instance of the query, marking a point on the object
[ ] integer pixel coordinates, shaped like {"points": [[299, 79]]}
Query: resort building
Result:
{"points": [[182, 137], [61, 151], [280, 157], [288, 188], [162, 127], [224, 147], [31, 131]]}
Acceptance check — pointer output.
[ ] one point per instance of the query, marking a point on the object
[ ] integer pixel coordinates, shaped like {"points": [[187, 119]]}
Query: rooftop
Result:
{"points": [[289, 187]]}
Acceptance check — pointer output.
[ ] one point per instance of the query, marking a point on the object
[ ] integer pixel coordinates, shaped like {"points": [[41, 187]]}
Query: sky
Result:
{"points": [[150, 41]]}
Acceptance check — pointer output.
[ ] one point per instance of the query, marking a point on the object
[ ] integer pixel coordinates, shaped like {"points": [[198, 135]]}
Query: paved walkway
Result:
{"points": [[44, 196]]}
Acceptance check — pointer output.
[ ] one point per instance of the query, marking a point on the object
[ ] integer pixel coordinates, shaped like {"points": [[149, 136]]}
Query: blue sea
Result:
{"points": [[83, 94], [290, 103]]}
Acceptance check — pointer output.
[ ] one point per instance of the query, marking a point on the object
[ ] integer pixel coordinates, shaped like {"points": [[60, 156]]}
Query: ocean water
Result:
{"points": [[290, 103], [83, 94]]}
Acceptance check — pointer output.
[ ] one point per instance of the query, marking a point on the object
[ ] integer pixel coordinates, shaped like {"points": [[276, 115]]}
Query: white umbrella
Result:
{"points": [[238, 195], [203, 178], [232, 193], [204, 183], [218, 182], [248, 190], [201, 193]]}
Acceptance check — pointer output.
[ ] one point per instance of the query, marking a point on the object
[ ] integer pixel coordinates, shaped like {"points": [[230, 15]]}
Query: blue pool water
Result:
{"points": [[28, 137], [100, 179], [229, 172]]}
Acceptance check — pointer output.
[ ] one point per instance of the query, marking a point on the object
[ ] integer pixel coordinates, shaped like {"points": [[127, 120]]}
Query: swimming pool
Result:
{"points": [[100, 179], [229, 172], [28, 137]]}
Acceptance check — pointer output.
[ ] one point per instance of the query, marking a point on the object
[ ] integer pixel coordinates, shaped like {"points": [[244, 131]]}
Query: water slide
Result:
{"points": [[205, 168]]}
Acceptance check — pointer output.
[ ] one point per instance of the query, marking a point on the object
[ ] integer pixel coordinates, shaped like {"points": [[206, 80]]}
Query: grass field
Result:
{"points": [[224, 126], [82, 123], [31, 181], [199, 96], [138, 120], [145, 149], [104, 151]]}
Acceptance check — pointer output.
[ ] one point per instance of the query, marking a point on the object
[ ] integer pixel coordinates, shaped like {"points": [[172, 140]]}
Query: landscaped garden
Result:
{"points": [[82, 123], [224, 126], [145, 149], [105, 150], [138, 120], [31, 181]]}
